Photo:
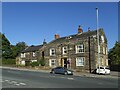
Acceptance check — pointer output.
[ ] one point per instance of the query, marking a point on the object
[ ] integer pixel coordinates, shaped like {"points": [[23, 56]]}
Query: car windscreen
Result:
{"points": [[101, 68], [107, 68]]}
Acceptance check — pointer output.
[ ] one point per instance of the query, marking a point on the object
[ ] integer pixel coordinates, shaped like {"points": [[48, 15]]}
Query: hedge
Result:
{"points": [[33, 64], [8, 61]]}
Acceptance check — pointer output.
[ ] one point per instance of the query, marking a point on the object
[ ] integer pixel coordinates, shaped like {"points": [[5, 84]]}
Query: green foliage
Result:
{"points": [[18, 48], [33, 64], [101, 31], [6, 48], [42, 62], [114, 54], [8, 62]]}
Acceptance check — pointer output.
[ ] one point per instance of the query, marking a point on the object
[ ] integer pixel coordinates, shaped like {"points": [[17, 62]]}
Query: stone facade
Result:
{"points": [[79, 51], [30, 54]]}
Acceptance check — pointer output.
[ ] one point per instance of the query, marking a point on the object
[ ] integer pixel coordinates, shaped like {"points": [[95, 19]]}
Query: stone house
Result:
{"points": [[30, 54], [79, 51]]}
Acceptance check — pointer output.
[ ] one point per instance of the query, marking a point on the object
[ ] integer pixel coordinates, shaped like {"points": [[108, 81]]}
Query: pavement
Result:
{"points": [[113, 74], [87, 74]]}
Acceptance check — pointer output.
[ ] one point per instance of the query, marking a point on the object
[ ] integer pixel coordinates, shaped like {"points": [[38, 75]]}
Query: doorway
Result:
{"points": [[65, 62]]}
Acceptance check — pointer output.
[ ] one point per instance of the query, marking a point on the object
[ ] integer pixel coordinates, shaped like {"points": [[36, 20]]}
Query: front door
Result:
{"points": [[65, 62]]}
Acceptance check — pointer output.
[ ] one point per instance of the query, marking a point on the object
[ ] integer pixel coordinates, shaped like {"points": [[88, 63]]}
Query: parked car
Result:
{"points": [[61, 70], [103, 70]]}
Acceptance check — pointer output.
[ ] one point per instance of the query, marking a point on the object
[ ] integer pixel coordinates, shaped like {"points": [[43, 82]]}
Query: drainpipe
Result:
{"points": [[89, 54]]}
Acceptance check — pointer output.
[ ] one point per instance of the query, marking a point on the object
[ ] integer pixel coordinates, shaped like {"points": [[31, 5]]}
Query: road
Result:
{"points": [[34, 79]]}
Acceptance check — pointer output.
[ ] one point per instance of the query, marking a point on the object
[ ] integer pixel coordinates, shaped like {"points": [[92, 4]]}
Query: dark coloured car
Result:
{"points": [[61, 70]]}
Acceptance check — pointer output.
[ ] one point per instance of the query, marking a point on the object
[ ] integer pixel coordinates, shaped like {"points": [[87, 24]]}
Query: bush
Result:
{"points": [[42, 62], [33, 64], [8, 62]]}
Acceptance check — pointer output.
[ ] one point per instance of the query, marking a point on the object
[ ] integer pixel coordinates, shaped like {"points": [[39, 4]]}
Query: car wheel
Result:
{"points": [[65, 73], [53, 72]]}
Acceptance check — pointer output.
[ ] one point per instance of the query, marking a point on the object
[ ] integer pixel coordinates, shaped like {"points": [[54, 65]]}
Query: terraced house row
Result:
{"points": [[78, 51]]}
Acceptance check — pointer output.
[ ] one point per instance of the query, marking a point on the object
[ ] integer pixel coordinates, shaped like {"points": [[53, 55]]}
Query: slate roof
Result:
{"points": [[84, 34], [32, 48]]}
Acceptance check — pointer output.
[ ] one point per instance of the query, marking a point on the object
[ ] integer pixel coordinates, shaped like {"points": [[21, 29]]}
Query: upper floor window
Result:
{"points": [[80, 48], [34, 54], [65, 49], [22, 55], [103, 50], [52, 52], [106, 51], [102, 38]]}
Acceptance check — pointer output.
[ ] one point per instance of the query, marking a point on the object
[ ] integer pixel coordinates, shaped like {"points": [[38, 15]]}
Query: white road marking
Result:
{"points": [[14, 82], [62, 77], [1, 81], [70, 78], [6, 80], [22, 83], [17, 84], [10, 82], [52, 76], [100, 83]]}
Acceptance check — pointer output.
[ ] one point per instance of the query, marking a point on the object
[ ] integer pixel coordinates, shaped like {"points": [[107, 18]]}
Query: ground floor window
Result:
{"points": [[52, 62], [33, 60], [80, 61], [22, 62]]}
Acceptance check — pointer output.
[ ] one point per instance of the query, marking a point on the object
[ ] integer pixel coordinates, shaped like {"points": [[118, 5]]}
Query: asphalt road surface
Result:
{"points": [[34, 79]]}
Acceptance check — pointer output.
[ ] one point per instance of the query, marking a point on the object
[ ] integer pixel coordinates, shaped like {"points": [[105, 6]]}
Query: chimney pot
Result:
{"points": [[57, 36], [80, 29], [89, 29]]}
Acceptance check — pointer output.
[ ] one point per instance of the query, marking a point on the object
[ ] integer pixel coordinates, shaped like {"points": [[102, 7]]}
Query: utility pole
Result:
{"points": [[98, 39]]}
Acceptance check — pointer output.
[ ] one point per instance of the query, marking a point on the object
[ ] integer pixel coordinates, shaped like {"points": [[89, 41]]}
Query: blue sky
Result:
{"points": [[33, 22]]}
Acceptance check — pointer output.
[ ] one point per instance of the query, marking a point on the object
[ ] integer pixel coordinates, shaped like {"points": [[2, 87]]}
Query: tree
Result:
{"points": [[11, 51], [114, 54], [42, 62], [18, 48], [6, 48]]}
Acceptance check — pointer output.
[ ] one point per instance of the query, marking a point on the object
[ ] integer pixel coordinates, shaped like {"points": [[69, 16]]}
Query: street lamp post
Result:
{"points": [[98, 40]]}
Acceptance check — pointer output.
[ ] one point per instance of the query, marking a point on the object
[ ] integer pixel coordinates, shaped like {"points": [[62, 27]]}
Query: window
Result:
{"points": [[52, 52], [107, 62], [103, 50], [80, 48], [52, 62], [80, 61], [65, 50], [102, 38], [106, 51], [22, 55], [34, 54], [23, 62]]}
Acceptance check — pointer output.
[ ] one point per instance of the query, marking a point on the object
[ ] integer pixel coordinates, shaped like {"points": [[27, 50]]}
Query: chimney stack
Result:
{"points": [[88, 29], [56, 36], [79, 29], [44, 42]]}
